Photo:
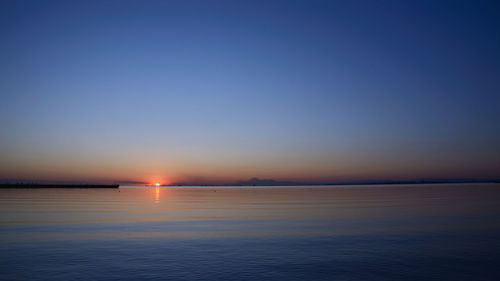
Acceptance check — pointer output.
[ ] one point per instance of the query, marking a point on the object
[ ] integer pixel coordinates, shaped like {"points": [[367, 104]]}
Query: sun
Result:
{"points": [[157, 184]]}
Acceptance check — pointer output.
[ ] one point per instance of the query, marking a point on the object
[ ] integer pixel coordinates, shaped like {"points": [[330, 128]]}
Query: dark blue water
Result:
{"points": [[439, 232]]}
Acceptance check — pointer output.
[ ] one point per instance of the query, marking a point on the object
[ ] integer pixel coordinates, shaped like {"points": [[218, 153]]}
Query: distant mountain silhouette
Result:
{"points": [[263, 182]]}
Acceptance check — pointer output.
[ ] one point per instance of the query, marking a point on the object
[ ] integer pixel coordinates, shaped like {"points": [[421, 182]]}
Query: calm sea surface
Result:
{"points": [[392, 232]]}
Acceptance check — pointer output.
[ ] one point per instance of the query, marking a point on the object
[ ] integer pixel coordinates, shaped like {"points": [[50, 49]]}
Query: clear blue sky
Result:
{"points": [[223, 90]]}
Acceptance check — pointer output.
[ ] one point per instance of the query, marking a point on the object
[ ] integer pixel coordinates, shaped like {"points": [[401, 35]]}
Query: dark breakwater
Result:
{"points": [[27, 185]]}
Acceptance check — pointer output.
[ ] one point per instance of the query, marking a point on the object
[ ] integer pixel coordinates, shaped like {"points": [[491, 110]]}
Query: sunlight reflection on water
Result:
{"points": [[157, 198]]}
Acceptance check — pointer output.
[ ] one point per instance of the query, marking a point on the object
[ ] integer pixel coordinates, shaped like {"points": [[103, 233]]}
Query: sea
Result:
{"points": [[370, 232]]}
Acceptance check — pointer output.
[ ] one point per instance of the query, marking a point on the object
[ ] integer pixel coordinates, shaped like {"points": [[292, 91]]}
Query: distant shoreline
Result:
{"points": [[26, 185], [259, 183], [270, 183]]}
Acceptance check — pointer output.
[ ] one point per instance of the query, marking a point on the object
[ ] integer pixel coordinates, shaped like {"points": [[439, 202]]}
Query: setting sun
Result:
{"points": [[157, 184]]}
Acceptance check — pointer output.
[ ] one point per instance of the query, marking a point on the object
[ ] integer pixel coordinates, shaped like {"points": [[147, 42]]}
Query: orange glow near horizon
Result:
{"points": [[157, 184]]}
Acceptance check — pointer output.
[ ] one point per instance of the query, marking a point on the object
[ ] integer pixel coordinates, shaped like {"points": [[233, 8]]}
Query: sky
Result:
{"points": [[218, 91]]}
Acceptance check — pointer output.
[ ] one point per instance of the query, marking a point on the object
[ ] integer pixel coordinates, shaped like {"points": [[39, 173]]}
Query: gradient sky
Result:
{"points": [[215, 91]]}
